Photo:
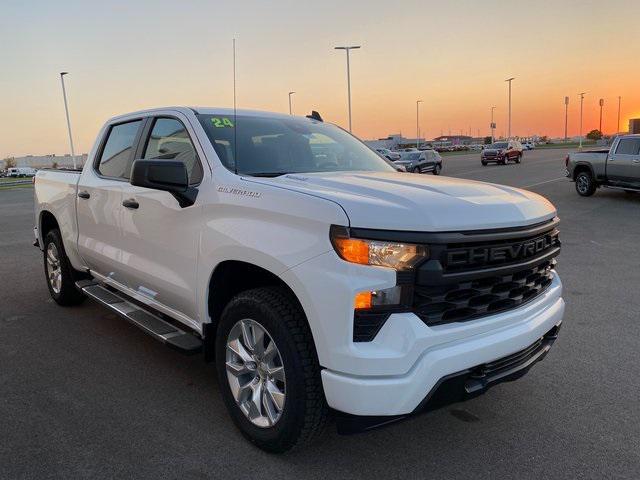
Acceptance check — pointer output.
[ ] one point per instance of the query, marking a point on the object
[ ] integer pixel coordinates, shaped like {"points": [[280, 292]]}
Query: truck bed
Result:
{"points": [[55, 191]]}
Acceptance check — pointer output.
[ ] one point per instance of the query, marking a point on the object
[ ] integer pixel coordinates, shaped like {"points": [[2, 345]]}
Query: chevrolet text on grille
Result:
{"points": [[501, 253]]}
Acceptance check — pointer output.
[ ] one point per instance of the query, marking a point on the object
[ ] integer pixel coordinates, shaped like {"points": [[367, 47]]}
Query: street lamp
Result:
{"points": [[290, 93], [418, 102], [66, 110], [581, 103], [509, 81], [347, 49], [619, 102], [566, 116], [493, 125], [601, 105]]}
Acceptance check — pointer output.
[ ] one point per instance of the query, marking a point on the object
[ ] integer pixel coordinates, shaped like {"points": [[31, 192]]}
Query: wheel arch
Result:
{"points": [[46, 222], [582, 167], [229, 278]]}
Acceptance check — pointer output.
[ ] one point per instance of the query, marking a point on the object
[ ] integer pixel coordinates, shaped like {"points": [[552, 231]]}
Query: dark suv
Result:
{"points": [[502, 152]]}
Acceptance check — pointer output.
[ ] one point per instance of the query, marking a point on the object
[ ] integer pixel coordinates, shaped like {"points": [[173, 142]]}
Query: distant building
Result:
{"points": [[453, 140], [47, 161], [634, 125], [394, 141]]}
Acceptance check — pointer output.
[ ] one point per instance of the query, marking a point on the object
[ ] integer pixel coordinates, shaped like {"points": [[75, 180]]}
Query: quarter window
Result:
{"points": [[628, 146], [170, 140], [117, 154]]}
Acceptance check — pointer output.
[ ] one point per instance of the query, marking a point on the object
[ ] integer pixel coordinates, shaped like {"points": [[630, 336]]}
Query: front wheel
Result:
{"points": [[416, 169], [61, 276], [585, 184], [437, 169], [268, 370], [519, 158]]}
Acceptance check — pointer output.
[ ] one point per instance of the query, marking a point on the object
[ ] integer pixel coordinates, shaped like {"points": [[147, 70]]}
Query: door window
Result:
{"points": [[117, 154], [169, 140], [628, 146]]}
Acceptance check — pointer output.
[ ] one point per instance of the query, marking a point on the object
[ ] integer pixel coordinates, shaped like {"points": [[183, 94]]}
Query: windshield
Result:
{"points": [[273, 146], [498, 145]]}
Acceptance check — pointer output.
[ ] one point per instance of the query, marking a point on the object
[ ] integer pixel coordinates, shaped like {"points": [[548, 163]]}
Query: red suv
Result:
{"points": [[502, 152]]}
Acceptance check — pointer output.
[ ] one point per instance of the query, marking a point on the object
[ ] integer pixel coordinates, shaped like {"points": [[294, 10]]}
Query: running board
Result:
{"points": [[148, 322], [616, 187]]}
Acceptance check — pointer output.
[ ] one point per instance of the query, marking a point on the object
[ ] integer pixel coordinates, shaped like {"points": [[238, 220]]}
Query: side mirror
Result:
{"points": [[166, 175]]}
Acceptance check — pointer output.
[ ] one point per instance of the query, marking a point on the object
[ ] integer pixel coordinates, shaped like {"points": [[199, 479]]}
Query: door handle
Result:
{"points": [[130, 203], [84, 194], [636, 160]]}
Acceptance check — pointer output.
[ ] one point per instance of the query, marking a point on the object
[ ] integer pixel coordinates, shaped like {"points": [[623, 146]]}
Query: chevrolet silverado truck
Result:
{"points": [[618, 167], [317, 278]]}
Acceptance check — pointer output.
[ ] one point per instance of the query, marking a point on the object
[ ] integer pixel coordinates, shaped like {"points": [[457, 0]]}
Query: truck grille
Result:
{"points": [[478, 277], [468, 300]]}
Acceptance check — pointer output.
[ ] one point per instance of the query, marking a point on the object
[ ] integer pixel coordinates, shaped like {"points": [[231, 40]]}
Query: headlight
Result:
{"points": [[400, 256]]}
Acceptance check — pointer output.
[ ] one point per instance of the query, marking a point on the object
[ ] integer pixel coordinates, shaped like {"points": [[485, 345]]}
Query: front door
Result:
{"points": [[99, 202], [161, 239], [622, 164]]}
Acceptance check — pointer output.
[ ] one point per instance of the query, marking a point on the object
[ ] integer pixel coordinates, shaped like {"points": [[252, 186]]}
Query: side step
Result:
{"points": [[152, 324]]}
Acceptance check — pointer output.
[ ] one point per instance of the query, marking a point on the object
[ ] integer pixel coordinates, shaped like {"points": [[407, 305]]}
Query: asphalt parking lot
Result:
{"points": [[85, 394]]}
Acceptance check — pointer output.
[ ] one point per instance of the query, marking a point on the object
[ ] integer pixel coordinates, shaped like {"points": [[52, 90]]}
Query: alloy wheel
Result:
{"points": [[255, 373], [54, 270], [582, 183]]}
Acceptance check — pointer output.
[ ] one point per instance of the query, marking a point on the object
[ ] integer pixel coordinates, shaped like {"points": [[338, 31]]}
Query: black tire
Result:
{"points": [[416, 169], [585, 184], [484, 164], [305, 411], [631, 192], [519, 158], [436, 169], [66, 294]]}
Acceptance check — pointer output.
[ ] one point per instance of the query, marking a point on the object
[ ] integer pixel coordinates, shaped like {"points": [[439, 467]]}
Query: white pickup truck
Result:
{"points": [[319, 279]]}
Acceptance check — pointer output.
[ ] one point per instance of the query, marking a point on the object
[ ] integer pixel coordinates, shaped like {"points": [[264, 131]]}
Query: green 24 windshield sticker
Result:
{"points": [[221, 122]]}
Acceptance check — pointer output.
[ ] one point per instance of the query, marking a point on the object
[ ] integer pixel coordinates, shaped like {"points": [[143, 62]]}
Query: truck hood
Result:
{"points": [[401, 201]]}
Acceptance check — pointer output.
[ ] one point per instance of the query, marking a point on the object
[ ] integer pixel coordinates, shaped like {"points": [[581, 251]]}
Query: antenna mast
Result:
{"points": [[235, 123]]}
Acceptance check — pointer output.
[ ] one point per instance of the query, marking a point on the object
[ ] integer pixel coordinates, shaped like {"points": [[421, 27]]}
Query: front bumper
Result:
{"points": [[461, 386], [443, 351]]}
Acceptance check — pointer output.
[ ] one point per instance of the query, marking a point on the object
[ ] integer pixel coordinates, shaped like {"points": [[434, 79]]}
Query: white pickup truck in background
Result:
{"points": [[318, 278]]}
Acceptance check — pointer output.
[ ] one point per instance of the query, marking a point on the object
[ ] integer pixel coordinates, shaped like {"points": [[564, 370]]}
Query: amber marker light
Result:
{"points": [[362, 300]]}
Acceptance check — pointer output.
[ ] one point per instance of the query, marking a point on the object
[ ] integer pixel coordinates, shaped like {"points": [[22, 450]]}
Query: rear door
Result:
{"points": [[161, 239], [623, 162], [99, 202], [431, 159]]}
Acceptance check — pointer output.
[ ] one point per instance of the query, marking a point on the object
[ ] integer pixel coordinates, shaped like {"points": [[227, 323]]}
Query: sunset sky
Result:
{"points": [[454, 55]]}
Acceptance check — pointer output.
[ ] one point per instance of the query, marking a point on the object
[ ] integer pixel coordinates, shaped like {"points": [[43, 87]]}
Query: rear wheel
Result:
{"points": [[416, 169], [519, 158], [61, 276], [585, 184], [268, 370], [437, 168]]}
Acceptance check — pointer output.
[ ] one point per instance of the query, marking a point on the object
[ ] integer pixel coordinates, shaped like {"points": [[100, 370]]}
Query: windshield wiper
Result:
{"points": [[266, 174]]}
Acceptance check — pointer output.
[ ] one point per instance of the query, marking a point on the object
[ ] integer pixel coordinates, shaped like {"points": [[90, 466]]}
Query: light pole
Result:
{"points": [[66, 110], [601, 102], [581, 103], [493, 125], [290, 111], [566, 116], [619, 102], [418, 102], [509, 81], [347, 49]]}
